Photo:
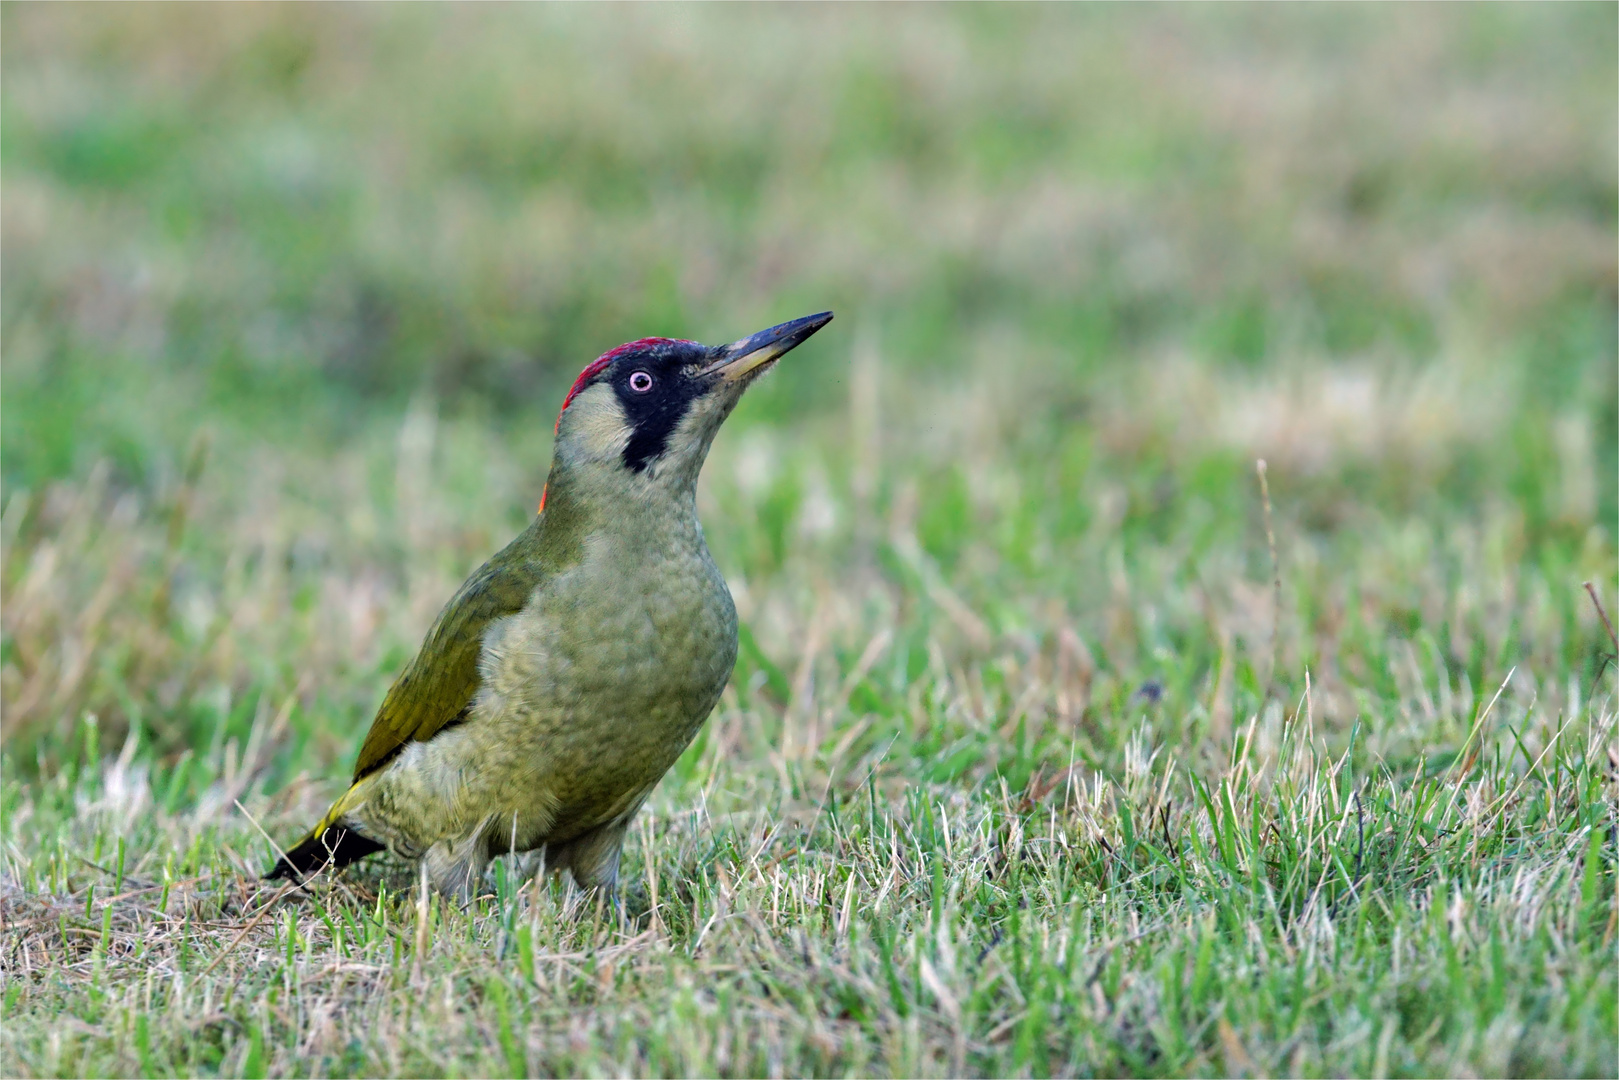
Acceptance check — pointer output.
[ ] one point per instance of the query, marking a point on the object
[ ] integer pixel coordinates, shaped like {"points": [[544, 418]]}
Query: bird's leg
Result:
{"points": [[592, 857], [456, 868], [532, 866]]}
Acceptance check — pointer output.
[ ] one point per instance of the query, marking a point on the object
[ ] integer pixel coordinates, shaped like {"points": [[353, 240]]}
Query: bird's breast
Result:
{"points": [[599, 683]]}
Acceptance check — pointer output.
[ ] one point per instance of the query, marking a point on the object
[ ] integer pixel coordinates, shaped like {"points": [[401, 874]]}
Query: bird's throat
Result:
{"points": [[592, 499]]}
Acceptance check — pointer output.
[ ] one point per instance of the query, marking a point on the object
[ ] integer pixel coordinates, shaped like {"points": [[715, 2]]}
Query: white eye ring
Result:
{"points": [[640, 382]]}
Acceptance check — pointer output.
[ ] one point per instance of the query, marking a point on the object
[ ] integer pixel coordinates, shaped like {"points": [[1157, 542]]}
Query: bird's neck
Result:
{"points": [[603, 499]]}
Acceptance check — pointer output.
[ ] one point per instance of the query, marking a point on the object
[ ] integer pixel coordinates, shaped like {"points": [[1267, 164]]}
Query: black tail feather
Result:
{"points": [[335, 847]]}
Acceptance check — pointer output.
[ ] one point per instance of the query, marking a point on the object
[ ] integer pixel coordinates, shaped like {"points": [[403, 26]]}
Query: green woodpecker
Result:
{"points": [[570, 671]]}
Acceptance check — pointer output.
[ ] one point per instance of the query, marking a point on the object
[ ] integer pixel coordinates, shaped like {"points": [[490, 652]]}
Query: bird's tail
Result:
{"points": [[328, 844]]}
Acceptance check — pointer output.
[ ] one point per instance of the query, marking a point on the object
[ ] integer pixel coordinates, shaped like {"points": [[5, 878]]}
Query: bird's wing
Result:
{"points": [[438, 686]]}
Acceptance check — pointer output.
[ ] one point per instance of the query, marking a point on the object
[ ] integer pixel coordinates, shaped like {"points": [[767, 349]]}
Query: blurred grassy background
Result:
{"points": [[291, 294], [293, 219], [1096, 260]]}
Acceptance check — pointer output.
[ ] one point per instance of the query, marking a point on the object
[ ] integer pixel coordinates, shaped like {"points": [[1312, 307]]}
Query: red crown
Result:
{"points": [[595, 367]]}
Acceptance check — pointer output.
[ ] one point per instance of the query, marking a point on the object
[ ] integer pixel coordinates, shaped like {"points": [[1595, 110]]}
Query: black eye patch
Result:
{"points": [[654, 414]]}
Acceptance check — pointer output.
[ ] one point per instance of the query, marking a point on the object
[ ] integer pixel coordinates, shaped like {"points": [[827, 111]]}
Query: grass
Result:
{"points": [[1052, 749]]}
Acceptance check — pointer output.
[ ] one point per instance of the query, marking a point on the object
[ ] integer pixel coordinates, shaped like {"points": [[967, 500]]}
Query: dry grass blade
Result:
{"points": [[251, 925], [1613, 639]]}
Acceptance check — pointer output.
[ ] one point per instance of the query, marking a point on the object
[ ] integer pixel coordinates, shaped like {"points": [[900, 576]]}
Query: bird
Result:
{"points": [[567, 674]]}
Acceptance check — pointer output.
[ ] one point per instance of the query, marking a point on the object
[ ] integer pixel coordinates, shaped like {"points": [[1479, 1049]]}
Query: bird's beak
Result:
{"points": [[752, 354]]}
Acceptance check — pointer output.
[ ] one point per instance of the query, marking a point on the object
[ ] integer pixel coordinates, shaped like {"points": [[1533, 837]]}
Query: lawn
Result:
{"points": [[1165, 638]]}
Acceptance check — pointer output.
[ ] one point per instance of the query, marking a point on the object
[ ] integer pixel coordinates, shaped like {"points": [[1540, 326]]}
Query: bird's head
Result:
{"points": [[646, 413]]}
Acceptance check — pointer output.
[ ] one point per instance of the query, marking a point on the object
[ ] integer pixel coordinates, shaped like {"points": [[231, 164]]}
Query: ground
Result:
{"points": [[1066, 738]]}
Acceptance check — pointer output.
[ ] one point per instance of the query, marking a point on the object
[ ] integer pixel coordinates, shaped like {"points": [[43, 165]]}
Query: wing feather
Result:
{"points": [[438, 686]]}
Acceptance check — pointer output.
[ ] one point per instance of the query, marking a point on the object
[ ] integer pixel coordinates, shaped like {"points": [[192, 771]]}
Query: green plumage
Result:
{"points": [[438, 686]]}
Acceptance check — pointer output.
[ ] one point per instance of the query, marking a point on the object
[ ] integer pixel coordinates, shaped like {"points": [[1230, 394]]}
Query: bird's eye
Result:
{"points": [[640, 382]]}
